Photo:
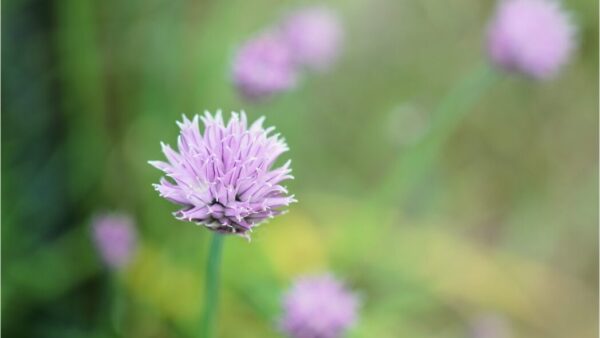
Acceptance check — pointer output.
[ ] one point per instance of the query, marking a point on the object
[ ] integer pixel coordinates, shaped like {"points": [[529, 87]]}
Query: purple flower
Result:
{"points": [[224, 178], [489, 326], [535, 37], [318, 307], [314, 35], [264, 66], [115, 238]]}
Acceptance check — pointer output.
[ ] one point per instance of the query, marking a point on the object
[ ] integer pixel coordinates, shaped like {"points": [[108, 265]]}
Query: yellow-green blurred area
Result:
{"points": [[502, 224]]}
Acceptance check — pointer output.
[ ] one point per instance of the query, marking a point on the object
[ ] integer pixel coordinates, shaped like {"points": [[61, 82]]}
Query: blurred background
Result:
{"points": [[497, 238]]}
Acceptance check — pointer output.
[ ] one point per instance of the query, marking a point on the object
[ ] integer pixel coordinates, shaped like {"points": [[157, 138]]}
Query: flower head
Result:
{"points": [[264, 66], [318, 307], [489, 326], [314, 35], [224, 178], [534, 37], [115, 238]]}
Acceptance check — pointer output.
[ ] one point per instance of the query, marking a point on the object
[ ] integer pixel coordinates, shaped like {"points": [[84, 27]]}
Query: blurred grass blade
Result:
{"points": [[415, 162]]}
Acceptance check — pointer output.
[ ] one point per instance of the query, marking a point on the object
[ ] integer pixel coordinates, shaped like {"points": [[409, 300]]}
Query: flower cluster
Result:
{"points": [[270, 62], [534, 37], [224, 178], [318, 307], [314, 35], [489, 325], [264, 65], [115, 238]]}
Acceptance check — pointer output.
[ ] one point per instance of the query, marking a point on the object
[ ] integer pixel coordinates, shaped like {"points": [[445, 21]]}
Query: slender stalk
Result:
{"points": [[416, 160], [117, 312], [211, 296]]}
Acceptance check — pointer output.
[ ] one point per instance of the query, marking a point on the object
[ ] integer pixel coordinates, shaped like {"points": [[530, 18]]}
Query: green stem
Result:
{"points": [[416, 160], [117, 306], [212, 286]]}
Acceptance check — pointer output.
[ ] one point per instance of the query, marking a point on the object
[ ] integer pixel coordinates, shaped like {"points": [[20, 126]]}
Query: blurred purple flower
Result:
{"points": [[489, 326], [115, 238], [535, 37], [264, 66], [318, 307], [314, 36], [224, 179]]}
